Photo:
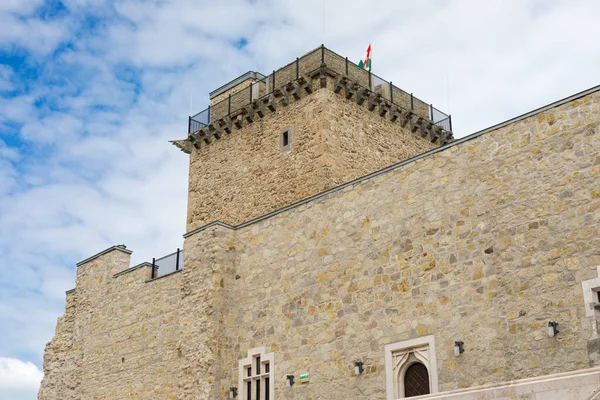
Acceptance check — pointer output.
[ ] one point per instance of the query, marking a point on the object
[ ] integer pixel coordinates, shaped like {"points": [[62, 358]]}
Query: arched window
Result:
{"points": [[416, 380], [411, 368]]}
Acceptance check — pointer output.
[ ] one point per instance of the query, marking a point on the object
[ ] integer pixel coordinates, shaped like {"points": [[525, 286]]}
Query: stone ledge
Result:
{"points": [[131, 269], [120, 247], [521, 387]]}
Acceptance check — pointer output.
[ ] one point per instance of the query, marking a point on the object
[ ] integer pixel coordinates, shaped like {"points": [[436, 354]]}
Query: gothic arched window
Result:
{"points": [[416, 380], [411, 368]]}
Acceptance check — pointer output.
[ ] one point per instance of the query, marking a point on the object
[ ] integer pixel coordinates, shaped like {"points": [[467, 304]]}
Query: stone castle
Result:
{"points": [[341, 244]]}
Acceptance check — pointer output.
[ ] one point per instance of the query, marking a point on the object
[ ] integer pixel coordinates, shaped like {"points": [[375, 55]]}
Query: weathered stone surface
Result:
{"points": [[484, 242], [245, 175], [118, 338]]}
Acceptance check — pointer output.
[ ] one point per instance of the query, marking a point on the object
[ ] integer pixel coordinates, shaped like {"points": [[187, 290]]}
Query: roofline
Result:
{"points": [[131, 269], [236, 81], [399, 164], [120, 247]]}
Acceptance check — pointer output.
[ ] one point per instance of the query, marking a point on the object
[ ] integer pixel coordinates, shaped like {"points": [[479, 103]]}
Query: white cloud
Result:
{"points": [[94, 167], [6, 74], [20, 7], [19, 380], [35, 35]]}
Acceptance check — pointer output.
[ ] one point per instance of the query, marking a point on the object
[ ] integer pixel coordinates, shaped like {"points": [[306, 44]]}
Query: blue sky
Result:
{"points": [[92, 90]]}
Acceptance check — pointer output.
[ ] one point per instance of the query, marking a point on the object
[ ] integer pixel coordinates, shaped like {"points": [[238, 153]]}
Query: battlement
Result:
{"points": [[254, 96]]}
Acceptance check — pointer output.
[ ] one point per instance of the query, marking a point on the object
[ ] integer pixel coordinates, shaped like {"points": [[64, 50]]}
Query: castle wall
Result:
{"points": [[62, 358], [245, 174], [484, 242], [122, 341]]}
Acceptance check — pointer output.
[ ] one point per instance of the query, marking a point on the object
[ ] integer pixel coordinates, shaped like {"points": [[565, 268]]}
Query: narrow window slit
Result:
{"points": [[285, 139]]}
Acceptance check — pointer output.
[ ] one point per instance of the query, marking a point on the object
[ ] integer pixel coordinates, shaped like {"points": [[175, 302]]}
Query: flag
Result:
{"points": [[366, 63]]}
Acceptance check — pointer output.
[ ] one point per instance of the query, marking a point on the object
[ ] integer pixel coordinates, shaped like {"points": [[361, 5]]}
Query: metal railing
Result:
{"points": [[439, 118], [248, 90], [167, 264]]}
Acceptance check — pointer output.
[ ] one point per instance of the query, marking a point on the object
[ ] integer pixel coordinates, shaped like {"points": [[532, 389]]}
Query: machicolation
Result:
{"points": [[320, 68]]}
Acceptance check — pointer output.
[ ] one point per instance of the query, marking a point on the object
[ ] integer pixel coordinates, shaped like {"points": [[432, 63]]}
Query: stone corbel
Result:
{"points": [[269, 101], [447, 137], [248, 113], [204, 135], [213, 131], [184, 145], [362, 95], [374, 100], [340, 84], [435, 134], [293, 89], [305, 84], [350, 90], [194, 139], [239, 119], [423, 129], [258, 108], [225, 124], [384, 107], [395, 113], [416, 125], [282, 95], [323, 77], [406, 118], [324, 73]]}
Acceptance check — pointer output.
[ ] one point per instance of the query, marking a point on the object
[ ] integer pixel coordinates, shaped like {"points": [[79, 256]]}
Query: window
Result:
{"points": [[591, 295], [256, 375], [416, 380], [285, 139], [411, 368]]}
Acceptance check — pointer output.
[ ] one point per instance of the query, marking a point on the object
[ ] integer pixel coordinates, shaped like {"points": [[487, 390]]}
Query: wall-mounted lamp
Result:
{"points": [[232, 392], [552, 328], [459, 348], [289, 380], [358, 368]]}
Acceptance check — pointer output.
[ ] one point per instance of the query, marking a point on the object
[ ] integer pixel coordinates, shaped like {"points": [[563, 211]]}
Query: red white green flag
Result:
{"points": [[366, 62]]}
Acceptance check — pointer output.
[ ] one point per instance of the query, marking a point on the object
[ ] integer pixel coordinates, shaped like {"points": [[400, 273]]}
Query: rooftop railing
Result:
{"points": [[167, 264], [253, 89]]}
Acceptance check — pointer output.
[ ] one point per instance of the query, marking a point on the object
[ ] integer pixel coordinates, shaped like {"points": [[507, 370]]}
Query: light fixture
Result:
{"points": [[358, 368], [459, 348], [552, 328], [289, 380], [232, 392]]}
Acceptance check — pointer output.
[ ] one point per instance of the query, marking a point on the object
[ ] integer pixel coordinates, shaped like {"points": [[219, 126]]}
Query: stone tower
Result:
{"points": [[338, 236], [270, 141]]}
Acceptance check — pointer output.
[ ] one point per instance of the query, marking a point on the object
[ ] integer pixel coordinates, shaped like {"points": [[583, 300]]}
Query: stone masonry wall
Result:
{"points": [[246, 174], [62, 358], [123, 341], [484, 242]]}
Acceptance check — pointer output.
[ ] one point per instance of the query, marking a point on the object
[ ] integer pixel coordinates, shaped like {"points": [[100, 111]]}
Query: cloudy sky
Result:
{"points": [[92, 90]]}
